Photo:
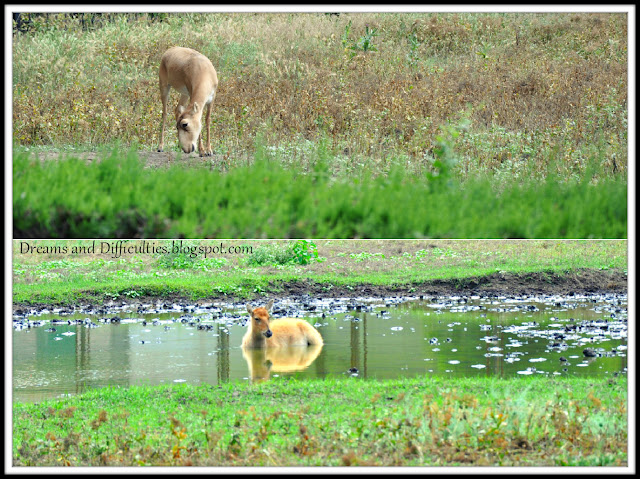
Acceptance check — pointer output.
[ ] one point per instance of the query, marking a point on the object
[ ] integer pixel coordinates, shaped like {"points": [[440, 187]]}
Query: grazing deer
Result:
{"points": [[264, 361], [280, 333], [193, 75]]}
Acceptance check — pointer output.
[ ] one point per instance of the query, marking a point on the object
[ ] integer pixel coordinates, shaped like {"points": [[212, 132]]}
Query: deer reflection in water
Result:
{"points": [[265, 361]]}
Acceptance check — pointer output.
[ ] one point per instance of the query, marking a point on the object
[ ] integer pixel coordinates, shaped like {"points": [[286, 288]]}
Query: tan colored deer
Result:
{"points": [[283, 332], [193, 76]]}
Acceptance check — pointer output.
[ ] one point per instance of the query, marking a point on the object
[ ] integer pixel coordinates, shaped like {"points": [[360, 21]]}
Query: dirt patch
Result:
{"points": [[496, 285], [151, 159], [155, 159]]}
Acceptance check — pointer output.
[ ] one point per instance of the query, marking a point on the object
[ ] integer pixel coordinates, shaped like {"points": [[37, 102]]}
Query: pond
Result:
{"points": [[64, 352]]}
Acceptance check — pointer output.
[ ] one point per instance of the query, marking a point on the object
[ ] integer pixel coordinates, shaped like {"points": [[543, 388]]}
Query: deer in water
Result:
{"points": [[193, 76], [283, 332]]}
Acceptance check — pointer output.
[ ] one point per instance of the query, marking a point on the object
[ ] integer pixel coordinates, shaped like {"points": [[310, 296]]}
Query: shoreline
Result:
{"points": [[584, 281]]}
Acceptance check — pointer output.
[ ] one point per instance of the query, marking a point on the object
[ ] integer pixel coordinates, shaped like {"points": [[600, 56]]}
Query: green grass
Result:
{"points": [[117, 198], [285, 422], [68, 277]]}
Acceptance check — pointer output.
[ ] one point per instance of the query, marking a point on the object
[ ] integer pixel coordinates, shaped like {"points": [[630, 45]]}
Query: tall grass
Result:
{"points": [[117, 197], [538, 88]]}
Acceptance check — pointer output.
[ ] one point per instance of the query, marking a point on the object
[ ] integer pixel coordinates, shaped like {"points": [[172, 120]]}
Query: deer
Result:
{"points": [[192, 74], [284, 332]]}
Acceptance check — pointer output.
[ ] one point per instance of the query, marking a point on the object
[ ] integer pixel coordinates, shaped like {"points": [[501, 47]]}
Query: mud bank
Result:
{"points": [[498, 284]]}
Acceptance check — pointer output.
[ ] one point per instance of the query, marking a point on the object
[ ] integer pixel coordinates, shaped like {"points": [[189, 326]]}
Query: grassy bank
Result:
{"points": [[55, 272], [118, 198], [542, 92], [405, 422]]}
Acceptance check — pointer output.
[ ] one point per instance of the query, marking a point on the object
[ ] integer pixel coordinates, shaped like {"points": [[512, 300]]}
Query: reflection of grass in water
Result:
{"points": [[420, 421]]}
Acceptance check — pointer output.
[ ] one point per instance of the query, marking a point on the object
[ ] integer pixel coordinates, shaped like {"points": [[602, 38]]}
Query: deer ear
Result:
{"points": [[249, 309], [180, 110], [196, 107], [269, 306]]}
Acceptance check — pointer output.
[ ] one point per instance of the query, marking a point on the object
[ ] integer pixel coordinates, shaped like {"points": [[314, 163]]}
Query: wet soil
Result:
{"points": [[496, 285], [499, 284]]}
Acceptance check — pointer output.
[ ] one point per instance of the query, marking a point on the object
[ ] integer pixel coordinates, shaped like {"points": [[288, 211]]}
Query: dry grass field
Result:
{"points": [[529, 93]]}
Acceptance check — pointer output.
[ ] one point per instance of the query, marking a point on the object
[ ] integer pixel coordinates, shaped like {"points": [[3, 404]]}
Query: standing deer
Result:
{"points": [[192, 74]]}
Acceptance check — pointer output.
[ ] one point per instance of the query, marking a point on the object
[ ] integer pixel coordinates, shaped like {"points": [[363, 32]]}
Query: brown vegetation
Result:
{"points": [[535, 87]]}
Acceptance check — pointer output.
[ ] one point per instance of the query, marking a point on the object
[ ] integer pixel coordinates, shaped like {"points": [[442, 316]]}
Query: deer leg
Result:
{"points": [[209, 151], [164, 96], [201, 151]]}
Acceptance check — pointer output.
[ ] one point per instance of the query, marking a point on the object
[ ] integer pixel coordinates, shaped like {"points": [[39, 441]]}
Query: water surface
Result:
{"points": [[59, 352]]}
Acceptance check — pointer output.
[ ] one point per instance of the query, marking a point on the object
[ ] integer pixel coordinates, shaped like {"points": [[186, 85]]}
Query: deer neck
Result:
{"points": [[257, 338], [201, 94]]}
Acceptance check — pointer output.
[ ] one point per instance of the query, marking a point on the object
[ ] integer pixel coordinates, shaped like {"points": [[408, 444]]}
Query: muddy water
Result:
{"points": [[62, 352]]}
